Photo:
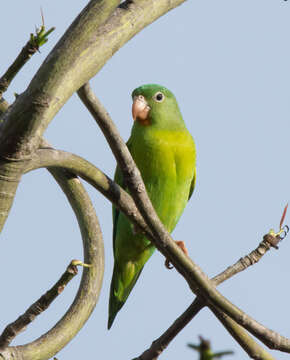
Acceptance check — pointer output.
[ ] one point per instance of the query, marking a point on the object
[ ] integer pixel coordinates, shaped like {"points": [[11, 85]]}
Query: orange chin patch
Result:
{"points": [[140, 110], [144, 122]]}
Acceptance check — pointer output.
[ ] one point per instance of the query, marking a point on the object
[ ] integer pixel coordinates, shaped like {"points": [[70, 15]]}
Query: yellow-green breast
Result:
{"points": [[166, 160]]}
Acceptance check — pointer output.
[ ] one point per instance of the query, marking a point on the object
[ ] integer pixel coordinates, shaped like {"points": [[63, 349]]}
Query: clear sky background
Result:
{"points": [[228, 63]]}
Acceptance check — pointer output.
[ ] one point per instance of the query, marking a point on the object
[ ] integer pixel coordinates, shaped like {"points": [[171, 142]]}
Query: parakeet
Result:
{"points": [[164, 152]]}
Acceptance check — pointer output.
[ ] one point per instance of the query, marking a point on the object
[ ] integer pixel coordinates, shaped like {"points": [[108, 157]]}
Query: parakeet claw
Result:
{"points": [[182, 246], [168, 265]]}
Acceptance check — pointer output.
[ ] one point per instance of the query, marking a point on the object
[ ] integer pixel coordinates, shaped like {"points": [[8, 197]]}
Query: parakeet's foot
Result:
{"points": [[182, 246]]}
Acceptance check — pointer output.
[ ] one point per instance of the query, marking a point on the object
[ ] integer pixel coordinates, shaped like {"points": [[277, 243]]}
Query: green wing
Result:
{"points": [[118, 178]]}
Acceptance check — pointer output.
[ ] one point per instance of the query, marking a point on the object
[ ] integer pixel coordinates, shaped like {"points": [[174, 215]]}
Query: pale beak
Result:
{"points": [[140, 109]]}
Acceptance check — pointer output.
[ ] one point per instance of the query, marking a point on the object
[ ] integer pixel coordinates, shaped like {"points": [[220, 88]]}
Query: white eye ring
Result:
{"points": [[159, 97]]}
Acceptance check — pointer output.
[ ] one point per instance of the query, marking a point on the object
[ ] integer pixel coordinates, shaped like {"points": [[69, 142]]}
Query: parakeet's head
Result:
{"points": [[154, 105]]}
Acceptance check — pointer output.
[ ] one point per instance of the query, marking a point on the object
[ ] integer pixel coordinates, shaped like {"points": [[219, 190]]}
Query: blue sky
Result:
{"points": [[228, 64]]}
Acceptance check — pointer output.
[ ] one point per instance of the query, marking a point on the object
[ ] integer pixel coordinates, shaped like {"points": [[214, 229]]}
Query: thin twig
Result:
{"points": [[20, 324], [242, 264], [31, 47]]}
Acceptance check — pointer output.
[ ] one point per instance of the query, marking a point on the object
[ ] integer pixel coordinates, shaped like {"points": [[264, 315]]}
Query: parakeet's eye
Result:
{"points": [[159, 97]]}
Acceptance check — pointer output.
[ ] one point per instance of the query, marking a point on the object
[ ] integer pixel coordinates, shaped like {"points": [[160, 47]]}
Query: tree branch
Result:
{"points": [[55, 339]]}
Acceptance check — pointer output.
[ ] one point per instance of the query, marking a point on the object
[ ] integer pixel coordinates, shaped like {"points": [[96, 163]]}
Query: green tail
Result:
{"points": [[117, 288]]}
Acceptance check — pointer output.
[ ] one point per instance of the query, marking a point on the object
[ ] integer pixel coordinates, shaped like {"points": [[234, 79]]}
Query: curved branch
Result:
{"points": [[55, 339], [51, 158]]}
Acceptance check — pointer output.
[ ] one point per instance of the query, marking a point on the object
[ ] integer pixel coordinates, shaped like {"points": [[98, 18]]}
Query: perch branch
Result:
{"points": [[197, 280], [13, 329]]}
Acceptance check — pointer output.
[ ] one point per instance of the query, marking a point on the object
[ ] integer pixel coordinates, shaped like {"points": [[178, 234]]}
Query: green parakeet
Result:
{"points": [[164, 152]]}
